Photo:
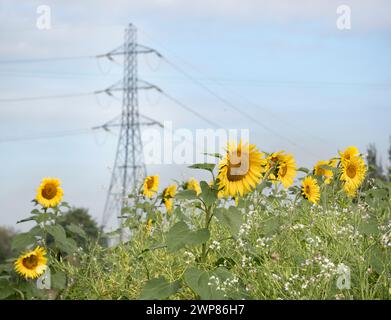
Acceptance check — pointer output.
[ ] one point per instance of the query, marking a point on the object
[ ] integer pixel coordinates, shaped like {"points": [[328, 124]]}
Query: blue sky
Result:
{"points": [[283, 62]]}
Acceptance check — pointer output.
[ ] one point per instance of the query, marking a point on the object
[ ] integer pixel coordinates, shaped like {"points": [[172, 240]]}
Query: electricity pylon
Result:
{"points": [[129, 167]]}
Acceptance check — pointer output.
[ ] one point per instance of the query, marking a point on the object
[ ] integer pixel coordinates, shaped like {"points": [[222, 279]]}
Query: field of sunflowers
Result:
{"points": [[261, 228]]}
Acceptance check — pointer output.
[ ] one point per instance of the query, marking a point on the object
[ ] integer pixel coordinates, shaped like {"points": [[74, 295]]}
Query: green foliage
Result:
{"points": [[6, 289], [23, 240], [67, 245], [186, 195], [198, 281], [80, 226], [207, 285], [58, 280], [369, 227], [268, 244], [54, 231], [57, 232], [180, 236], [75, 229], [375, 168], [208, 195], [232, 218], [203, 166], [159, 288], [271, 226]]}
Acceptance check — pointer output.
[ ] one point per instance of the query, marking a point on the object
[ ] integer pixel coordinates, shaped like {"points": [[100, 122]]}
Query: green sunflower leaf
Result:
{"points": [[57, 232], [203, 285], [186, 195], [180, 235], [198, 281], [326, 167], [208, 195], [68, 245], [232, 218], [5, 289], [26, 219], [302, 169], [203, 166], [22, 240], [58, 280], [369, 227], [271, 226], [159, 288], [216, 155], [76, 230]]}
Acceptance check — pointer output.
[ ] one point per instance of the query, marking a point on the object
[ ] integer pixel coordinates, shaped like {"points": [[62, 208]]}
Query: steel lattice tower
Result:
{"points": [[129, 165]]}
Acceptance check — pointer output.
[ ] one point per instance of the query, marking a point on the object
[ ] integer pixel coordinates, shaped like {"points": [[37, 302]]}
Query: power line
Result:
{"points": [[145, 50], [34, 60], [184, 106], [47, 135], [273, 114], [283, 83], [59, 75], [233, 107], [147, 86], [220, 81], [48, 97], [226, 102]]}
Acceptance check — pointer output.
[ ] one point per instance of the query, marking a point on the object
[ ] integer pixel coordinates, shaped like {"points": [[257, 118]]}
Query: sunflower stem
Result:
{"points": [[208, 217]]}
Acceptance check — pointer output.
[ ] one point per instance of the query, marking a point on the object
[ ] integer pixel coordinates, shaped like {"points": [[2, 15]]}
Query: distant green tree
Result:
{"points": [[81, 218], [375, 169], [6, 236]]}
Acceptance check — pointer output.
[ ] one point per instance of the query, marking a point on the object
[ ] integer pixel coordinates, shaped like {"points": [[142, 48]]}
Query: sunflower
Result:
{"points": [[350, 189], [49, 193], [349, 153], [241, 169], [272, 162], [310, 189], [193, 184], [150, 186], [32, 264], [353, 174], [168, 196], [283, 166], [326, 173]]}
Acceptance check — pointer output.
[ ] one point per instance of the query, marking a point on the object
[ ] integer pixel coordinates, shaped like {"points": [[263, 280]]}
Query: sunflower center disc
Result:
{"points": [[150, 183], [284, 170], [238, 166], [30, 262], [351, 171], [49, 191]]}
